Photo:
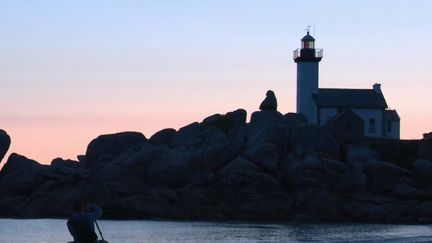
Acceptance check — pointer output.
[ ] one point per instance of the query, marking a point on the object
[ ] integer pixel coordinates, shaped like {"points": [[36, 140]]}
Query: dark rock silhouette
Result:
{"points": [[164, 136], [270, 102], [107, 147], [315, 138], [276, 167], [4, 143]]}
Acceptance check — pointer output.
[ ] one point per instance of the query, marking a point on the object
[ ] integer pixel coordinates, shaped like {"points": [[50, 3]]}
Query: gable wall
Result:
{"points": [[325, 113], [395, 130], [366, 115]]}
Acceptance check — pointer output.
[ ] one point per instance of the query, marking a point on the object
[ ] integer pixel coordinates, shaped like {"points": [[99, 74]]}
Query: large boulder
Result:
{"points": [[228, 123], [217, 155], [68, 171], [262, 183], [279, 136], [189, 135], [241, 180], [164, 136], [383, 175], [220, 128], [260, 126], [4, 143], [171, 168], [59, 163], [237, 166], [18, 167], [270, 102], [335, 166], [76, 192], [176, 175], [265, 118], [18, 175], [359, 155], [294, 119], [234, 126], [313, 137], [98, 193], [213, 135], [213, 120], [352, 181], [406, 188], [235, 118], [307, 173], [43, 205], [312, 172], [265, 155], [126, 187], [133, 163], [110, 146]]}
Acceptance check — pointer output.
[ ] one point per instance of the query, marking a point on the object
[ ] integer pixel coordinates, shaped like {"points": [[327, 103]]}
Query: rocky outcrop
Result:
{"points": [[315, 138], [275, 167], [107, 147], [18, 175], [4, 143], [164, 136]]}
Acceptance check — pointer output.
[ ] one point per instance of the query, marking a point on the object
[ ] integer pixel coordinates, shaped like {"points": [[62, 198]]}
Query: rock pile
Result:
{"points": [[4, 143], [276, 167]]}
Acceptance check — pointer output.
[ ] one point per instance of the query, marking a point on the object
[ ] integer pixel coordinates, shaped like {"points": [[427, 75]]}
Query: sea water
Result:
{"points": [[55, 230]]}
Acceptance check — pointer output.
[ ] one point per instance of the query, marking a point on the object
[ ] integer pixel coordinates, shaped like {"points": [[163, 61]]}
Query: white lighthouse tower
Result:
{"points": [[307, 59]]}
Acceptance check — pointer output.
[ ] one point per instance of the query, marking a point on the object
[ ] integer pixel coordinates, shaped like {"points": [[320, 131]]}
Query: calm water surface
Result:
{"points": [[54, 230]]}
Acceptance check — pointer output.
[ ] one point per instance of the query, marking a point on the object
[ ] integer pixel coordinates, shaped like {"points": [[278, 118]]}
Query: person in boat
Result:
{"points": [[81, 222]]}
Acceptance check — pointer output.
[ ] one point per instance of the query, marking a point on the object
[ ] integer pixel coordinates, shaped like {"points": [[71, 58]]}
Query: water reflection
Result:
{"points": [[54, 230]]}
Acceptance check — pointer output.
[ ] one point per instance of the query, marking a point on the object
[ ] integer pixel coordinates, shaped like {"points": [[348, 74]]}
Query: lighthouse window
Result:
{"points": [[308, 45]]}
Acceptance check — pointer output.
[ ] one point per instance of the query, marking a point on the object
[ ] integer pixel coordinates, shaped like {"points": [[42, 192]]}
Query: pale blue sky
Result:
{"points": [[70, 70]]}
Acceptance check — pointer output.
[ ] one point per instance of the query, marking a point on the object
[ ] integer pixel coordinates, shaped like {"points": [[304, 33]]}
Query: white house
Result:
{"points": [[319, 105]]}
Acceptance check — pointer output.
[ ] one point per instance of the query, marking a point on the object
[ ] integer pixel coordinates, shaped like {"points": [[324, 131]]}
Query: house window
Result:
{"points": [[372, 125], [389, 126]]}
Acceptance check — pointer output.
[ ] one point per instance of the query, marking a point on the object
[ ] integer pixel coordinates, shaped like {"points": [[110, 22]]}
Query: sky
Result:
{"points": [[73, 70]]}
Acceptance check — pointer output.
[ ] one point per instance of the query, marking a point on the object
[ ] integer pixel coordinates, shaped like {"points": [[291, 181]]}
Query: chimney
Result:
{"points": [[377, 88]]}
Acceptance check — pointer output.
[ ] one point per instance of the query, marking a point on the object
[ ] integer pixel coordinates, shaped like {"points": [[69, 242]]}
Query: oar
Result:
{"points": [[100, 232]]}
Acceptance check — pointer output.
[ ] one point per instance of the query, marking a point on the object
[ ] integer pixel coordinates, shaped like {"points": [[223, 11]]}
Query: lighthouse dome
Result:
{"points": [[307, 37]]}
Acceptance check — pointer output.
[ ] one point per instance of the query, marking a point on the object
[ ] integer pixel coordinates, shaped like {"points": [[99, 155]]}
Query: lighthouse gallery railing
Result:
{"points": [[318, 53]]}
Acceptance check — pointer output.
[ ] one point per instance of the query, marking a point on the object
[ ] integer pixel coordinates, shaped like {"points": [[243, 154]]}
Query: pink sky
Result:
{"points": [[44, 137], [72, 70]]}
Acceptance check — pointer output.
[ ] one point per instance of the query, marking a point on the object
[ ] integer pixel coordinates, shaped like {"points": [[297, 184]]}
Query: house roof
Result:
{"points": [[350, 98], [391, 115]]}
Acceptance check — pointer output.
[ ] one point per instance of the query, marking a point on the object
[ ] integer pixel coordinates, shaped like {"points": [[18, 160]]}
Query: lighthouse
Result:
{"points": [[307, 59]]}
